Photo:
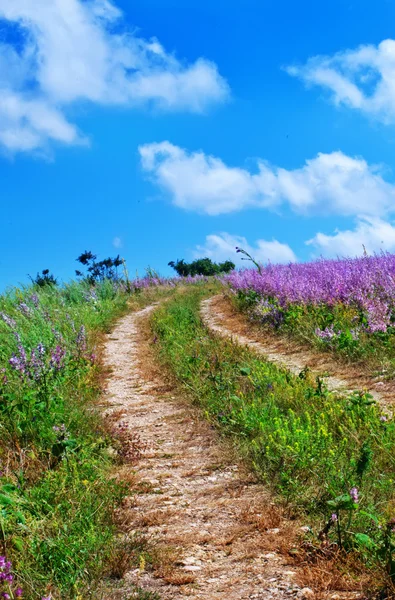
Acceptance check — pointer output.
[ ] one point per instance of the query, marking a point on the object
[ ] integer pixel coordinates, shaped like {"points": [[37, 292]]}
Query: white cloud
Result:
{"points": [[362, 78], [73, 51], [370, 233], [222, 246], [117, 242], [27, 124], [329, 183]]}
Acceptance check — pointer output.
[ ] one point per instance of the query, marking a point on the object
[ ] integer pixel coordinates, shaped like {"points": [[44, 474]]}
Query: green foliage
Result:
{"points": [[44, 278], [99, 271], [311, 445], [56, 495], [201, 266]]}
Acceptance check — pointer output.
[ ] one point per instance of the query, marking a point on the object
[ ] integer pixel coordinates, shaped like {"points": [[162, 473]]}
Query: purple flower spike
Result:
{"points": [[354, 495]]}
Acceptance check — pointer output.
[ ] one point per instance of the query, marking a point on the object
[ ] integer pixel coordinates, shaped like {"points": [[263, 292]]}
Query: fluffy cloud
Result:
{"points": [[363, 78], [372, 234], [329, 183], [73, 50], [222, 247]]}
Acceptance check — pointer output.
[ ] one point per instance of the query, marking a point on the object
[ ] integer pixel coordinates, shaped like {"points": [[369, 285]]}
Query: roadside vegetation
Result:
{"points": [[57, 490], [331, 458], [343, 306], [56, 499]]}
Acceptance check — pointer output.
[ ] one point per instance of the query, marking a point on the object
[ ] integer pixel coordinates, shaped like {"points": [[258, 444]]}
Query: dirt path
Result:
{"points": [[215, 532], [220, 317]]}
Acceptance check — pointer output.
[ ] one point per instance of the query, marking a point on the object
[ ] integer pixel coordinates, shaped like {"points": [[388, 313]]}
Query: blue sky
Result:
{"points": [[161, 130]]}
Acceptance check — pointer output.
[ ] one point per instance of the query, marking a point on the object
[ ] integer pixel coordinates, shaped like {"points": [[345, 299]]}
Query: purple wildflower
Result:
{"points": [[8, 320], [365, 284], [17, 337], [354, 495], [19, 363], [326, 334], [34, 299], [81, 339], [57, 358], [25, 309], [36, 363]]}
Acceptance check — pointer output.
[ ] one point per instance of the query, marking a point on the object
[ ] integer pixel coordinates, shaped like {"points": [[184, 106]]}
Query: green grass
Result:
{"points": [[312, 446], [57, 494]]}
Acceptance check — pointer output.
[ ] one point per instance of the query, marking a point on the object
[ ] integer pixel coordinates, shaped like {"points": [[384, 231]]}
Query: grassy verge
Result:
{"points": [[57, 495], [337, 328], [330, 457]]}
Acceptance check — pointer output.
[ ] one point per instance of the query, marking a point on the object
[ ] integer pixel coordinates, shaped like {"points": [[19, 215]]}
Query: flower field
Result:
{"points": [[345, 305]]}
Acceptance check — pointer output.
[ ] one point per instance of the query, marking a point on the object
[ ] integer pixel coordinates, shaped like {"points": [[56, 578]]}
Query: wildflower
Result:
{"points": [[326, 334], [81, 339], [18, 363], [62, 432], [57, 335], [18, 592], [334, 518], [36, 363], [41, 349], [354, 495], [57, 358], [25, 309], [35, 300], [383, 418]]}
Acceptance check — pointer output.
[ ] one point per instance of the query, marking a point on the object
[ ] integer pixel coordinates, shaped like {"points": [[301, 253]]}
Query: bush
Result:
{"points": [[201, 266]]}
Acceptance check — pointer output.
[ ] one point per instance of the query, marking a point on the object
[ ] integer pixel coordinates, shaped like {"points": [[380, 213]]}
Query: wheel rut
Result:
{"points": [[214, 529]]}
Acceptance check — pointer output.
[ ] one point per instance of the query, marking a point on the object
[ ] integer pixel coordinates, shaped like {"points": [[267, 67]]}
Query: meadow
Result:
{"points": [[328, 458], [344, 306]]}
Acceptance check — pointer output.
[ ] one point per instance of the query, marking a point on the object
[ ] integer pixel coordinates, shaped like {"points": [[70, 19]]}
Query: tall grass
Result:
{"points": [[56, 496]]}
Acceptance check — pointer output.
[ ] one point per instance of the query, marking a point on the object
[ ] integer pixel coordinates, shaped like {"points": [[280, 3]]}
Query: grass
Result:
{"points": [[57, 491], [339, 329], [330, 457]]}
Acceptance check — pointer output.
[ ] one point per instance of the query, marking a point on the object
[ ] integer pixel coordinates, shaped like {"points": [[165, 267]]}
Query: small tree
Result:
{"points": [[201, 266], [44, 278], [98, 270]]}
